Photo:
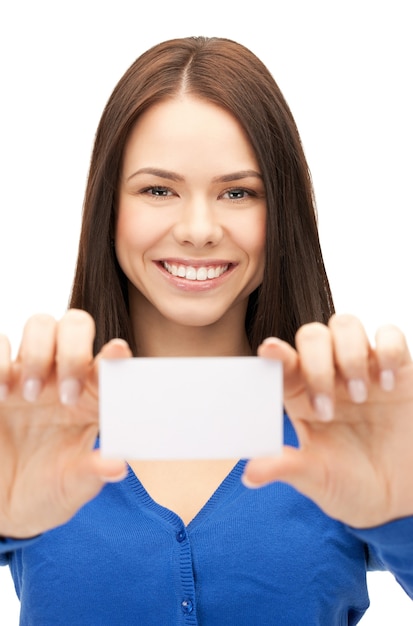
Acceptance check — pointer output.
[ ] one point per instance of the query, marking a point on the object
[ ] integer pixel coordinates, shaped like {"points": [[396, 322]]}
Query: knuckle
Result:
{"points": [[343, 321], [4, 342], [353, 363], [5, 355], [310, 332], [37, 339], [390, 343], [319, 378], [79, 318], [390, 333], [75, 341], [40, 320]]}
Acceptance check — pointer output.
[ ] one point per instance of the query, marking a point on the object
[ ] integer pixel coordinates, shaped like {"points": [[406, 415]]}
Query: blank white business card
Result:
{"points": [[190, 407]]}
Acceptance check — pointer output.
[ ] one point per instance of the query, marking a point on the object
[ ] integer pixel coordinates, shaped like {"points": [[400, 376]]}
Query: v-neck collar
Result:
{"points": [[231, 481]]}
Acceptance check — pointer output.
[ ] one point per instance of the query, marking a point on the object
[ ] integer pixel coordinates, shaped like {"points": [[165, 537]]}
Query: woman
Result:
{"points": [[199, 237]]}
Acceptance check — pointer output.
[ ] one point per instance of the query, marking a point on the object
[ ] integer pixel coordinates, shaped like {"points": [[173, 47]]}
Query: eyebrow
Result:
{"points": [[226, 178]]}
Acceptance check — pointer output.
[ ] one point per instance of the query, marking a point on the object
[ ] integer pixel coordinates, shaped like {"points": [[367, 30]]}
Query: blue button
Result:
{"points": [[181, 536], [187, 606]]}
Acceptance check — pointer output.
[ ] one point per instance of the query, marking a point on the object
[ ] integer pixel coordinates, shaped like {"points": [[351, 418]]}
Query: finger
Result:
{"points": [[5, 367], [290, 467], [87, 476], [114, 349], [351, 354], [391, 353], [108, 470], [315, 347], [36, 354], [274, 348], [296, 399], [75, 336]]}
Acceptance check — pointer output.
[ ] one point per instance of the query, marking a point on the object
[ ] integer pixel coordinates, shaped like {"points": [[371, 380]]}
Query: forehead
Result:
{"points": [[187, 127]]}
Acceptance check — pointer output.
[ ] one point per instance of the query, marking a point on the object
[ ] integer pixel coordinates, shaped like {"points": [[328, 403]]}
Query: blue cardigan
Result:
{"points": [[254, 557]]}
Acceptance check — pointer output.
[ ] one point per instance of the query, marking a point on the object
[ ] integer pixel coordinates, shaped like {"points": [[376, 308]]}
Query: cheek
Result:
{"points": [[251, 237], [256, 249], [260, 236], [125, 240], [258, 252], [134, 233]]}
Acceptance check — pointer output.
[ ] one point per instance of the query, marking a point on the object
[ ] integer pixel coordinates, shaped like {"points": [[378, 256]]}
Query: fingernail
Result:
{"points": [[250, 485], [324, 407], [31, 389], [115, 478], [69, 391], [358, 390], [387, 380], [272, 341], [4, 391], [119, 342]]}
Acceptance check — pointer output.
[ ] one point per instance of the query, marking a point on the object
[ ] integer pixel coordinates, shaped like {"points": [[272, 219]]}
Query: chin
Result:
{"points": [[197, 319], [201, 321]]}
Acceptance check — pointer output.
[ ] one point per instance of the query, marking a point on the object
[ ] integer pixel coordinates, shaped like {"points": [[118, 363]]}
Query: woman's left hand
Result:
{"points": [[351, 405]]}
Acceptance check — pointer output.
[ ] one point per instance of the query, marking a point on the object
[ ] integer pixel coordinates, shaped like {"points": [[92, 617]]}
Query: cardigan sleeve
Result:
{"points": [[8, 545], [390, 547]]}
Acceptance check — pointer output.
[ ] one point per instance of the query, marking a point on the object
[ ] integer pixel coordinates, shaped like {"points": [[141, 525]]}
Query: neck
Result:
{"points": [[192, 342]]}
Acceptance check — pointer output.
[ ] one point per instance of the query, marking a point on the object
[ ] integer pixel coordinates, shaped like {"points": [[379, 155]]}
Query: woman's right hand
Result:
{"points": [[49, 421]]}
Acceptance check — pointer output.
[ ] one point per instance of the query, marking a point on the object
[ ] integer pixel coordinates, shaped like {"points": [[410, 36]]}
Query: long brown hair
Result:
{"points": [[295, 288]]}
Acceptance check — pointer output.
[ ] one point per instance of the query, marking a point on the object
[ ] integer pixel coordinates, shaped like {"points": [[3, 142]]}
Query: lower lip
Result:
{"points": [[195, 285]]}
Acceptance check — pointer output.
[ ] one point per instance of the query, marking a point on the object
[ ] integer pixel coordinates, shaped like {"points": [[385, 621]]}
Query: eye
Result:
{"points": [[238, 193], [158, 191]]}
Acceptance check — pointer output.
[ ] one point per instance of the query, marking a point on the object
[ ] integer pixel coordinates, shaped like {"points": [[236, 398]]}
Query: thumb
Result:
{"points": [[85, 479], [292, 466], [274, 348], [114, 349]]}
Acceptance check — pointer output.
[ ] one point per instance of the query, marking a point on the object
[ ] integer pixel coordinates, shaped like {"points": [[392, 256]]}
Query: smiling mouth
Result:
{"points": [[202, 273]]}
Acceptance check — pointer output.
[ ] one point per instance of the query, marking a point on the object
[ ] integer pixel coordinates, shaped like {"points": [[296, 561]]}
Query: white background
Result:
{"points": [[346, 71]]}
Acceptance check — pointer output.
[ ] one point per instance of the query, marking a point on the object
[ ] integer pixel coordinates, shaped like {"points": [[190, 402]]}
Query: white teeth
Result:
{"points": [[202, 273], [192, 273]]}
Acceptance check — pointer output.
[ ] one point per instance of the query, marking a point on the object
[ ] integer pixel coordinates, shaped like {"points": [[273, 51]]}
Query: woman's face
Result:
{"points": [[191, 214]]}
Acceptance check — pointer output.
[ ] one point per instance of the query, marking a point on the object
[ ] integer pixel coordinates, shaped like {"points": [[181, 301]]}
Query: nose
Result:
{"points": [[198, 225]]}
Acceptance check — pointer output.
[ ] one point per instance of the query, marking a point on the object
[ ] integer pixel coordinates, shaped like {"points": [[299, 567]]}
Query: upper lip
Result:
{"points": [[196, 262]]}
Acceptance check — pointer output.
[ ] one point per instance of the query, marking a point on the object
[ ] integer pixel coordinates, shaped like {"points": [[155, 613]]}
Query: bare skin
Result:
{"points": [[49, 468], [182, 486], [355, 458], [191, 200], [357, 465]]}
